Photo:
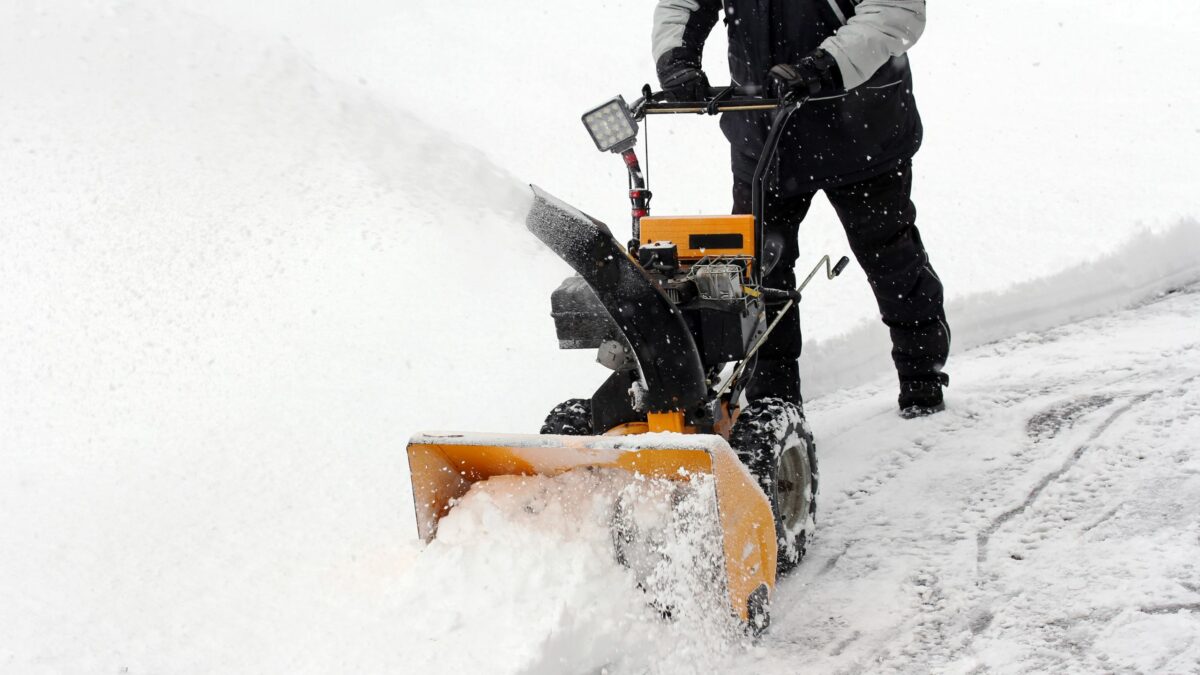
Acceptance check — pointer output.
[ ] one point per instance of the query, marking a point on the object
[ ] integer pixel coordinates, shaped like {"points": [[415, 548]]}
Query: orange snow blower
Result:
{"points": [[678, 315]]}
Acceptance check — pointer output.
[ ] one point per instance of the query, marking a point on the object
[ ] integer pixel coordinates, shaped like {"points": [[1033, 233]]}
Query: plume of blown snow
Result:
{"points": [[231, 287], [522, 578]]}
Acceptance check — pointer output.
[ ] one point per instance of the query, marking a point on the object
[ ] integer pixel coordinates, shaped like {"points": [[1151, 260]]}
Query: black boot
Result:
{"points": [[776, 379], [922, 397]]}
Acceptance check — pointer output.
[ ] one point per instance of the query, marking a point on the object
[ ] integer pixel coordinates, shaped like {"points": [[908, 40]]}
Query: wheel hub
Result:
{"points": [[793, 487]]}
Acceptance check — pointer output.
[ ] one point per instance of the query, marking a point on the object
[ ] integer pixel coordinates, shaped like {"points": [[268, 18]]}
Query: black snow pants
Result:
{"points": [[880, 222]]}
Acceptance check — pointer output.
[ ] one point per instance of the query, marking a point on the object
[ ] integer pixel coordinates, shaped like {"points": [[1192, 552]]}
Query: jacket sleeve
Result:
{"points": [[878, 30], [680, 29]]}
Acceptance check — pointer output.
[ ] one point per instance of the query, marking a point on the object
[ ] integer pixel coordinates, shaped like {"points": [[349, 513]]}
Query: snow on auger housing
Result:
{"points": [[678, 315]]}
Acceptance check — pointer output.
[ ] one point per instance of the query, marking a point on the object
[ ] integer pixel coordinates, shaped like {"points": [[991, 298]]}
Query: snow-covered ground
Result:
{"points": [[239, 270], [1048, 521]]}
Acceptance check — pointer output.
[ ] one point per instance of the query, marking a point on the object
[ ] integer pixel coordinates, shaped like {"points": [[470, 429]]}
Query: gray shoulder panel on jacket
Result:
{"points": [[879, 30], [670, 21]]}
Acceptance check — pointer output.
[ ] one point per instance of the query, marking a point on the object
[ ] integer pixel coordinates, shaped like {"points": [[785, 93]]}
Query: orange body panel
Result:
{"points": [[629, 429], [751, 550], [685, 231], [444, 466], [725, 420], [669, 421]]}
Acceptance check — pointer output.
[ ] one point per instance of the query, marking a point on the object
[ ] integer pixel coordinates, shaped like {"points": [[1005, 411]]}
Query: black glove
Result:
{"points": [[816, 73], [683, 81]]}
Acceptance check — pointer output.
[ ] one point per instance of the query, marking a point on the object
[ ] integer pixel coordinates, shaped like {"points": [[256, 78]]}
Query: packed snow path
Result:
{"points": [[1049, 520]]}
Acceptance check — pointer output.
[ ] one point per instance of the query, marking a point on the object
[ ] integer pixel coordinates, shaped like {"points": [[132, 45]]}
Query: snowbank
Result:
{"points": [[1146, 266], [223, 317]]}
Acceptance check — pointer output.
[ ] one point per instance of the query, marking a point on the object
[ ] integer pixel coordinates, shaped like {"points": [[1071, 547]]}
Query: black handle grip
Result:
{"points": [[840, 266], [778, 296]]}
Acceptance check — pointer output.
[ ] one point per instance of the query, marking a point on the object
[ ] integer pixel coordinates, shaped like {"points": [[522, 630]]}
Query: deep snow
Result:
{"points": [[218, 295], [223, 319]]}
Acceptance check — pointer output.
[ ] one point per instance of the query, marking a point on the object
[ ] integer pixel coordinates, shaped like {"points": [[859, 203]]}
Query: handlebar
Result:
{"points": [[718, 100]]}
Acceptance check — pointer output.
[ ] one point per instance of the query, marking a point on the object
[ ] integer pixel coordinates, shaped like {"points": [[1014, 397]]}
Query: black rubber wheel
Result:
{"points": [[572, 417], [773, 440]]}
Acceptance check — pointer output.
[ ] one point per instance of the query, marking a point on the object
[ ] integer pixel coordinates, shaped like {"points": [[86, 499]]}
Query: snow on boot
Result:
{"points": [[921, 398]]}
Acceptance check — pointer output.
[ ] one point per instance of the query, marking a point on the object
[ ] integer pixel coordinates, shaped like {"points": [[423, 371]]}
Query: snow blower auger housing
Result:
{"points": [[678, 315]]}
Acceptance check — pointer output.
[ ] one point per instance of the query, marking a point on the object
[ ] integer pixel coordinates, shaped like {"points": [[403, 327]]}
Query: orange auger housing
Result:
{"points": [[445, 465]]}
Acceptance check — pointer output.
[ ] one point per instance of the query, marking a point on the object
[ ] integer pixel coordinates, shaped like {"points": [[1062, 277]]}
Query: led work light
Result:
{"points": [[612, 126]]}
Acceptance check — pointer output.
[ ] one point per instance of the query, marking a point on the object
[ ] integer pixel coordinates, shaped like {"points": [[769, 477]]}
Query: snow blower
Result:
{"points": [[678, 315]]}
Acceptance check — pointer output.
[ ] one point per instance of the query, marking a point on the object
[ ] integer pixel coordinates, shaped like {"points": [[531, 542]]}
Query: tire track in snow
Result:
{"points": [[1174, 608], [1048, 423], [984, 538], [932, 633], [1104, 518], [1081, 635], [937, 631]]}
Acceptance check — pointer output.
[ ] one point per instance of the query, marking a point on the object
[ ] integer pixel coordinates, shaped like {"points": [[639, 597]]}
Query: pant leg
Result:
{"points": [[777, 373], [880, 222]]}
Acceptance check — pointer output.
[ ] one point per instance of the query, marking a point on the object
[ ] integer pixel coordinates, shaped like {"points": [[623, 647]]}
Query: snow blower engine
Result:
{"points": [[678, 314]]}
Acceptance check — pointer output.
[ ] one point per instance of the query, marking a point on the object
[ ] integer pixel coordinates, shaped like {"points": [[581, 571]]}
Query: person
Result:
{"points": [[854, 139]]}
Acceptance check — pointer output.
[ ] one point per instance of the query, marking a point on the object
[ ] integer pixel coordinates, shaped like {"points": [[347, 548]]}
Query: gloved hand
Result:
{"points": [[815, 74], [683, 82]]}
